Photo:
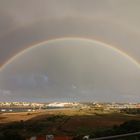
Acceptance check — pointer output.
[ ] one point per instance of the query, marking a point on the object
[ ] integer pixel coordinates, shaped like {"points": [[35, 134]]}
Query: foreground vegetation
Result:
{"points": [[72, 123]]}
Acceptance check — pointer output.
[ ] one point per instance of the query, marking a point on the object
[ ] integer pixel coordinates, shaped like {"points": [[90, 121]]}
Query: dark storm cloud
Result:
{"points": [[68, 27], [26, 23]]}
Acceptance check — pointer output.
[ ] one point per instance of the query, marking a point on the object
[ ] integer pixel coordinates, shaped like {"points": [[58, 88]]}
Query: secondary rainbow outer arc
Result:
{"points": [[71, 38]]}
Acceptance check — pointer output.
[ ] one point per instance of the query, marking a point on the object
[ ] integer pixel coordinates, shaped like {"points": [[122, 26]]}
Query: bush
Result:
{"points": [[11, 135]]}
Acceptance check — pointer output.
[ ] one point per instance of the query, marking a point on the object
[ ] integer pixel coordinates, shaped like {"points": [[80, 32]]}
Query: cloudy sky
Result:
{"points": [[70, 50]]}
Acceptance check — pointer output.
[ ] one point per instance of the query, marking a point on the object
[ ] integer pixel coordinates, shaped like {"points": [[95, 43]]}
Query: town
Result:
{"points": [[33, 106]]}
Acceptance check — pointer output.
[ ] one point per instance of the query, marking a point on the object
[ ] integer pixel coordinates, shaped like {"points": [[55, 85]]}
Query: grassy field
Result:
{"points": [[62, 122]]}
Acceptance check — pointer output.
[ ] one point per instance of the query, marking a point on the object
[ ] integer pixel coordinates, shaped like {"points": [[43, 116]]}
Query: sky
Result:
{"points": [[46, 55]]}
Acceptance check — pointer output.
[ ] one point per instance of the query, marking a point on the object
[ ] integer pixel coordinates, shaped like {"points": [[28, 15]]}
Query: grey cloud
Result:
{"points": [[7, 23], [25, 23], [102, 30], [72, 69]]}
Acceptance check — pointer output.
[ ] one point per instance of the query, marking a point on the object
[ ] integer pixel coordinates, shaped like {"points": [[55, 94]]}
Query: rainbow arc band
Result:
{"points": [[131, 59]]}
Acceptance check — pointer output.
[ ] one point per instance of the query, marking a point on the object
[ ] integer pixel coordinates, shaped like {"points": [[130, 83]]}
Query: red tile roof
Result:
{"points": [[62, 138], [41, 138]]}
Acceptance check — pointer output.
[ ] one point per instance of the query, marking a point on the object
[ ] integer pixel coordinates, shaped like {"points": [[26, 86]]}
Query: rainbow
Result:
{"points": [[70, 38]]}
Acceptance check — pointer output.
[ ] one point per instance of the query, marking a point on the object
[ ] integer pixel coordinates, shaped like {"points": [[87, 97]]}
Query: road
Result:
{"points": [[116, 136]]}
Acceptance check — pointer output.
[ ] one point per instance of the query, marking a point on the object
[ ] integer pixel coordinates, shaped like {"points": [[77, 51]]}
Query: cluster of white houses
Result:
{"points": [[26, 106]]}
